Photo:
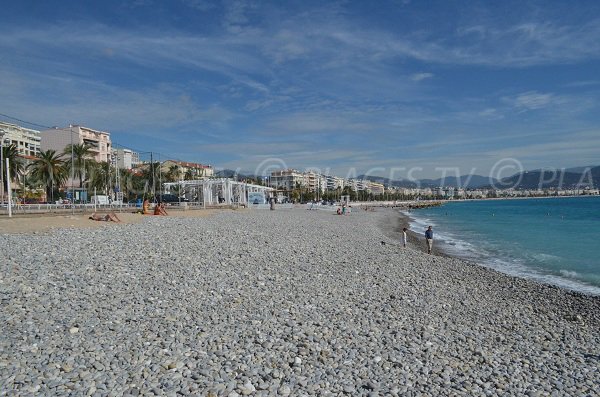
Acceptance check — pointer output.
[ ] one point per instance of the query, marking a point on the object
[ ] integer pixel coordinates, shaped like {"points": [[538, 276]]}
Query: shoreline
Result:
{"points": [[418, 240]]}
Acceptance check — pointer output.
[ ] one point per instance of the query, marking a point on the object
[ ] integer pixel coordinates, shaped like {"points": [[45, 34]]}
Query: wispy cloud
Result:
{"points": [[421, 76], [263, 73], [533, 100]]}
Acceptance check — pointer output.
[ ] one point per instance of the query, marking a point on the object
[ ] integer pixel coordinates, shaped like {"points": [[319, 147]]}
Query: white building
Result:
{"points": [[334, 182], [126, 158], [287, 180], [26, 140], [59, 138]]}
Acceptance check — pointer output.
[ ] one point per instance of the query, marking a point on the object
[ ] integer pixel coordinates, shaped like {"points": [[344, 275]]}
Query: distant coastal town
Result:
{"points": [[76, 163]]}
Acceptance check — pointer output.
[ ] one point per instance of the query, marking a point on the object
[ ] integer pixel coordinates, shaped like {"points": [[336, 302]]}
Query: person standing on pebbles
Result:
{"points": [[429, 239], [404, 237]]}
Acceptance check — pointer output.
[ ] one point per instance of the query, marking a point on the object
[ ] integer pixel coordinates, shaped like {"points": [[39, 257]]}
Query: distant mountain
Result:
{"points": [[542, 179], [579, 170], [230, 174], [545, 179], [388, 181], [465, 181]]}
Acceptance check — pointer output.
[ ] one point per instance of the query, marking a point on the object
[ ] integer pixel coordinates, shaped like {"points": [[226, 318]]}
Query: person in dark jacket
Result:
{"points": [[429, 239]]}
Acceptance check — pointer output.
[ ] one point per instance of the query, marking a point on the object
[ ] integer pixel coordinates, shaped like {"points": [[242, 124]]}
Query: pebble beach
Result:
{"points": [[279, 303]]}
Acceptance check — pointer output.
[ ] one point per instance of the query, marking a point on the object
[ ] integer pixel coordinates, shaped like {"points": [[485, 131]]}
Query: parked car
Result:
{"points": [[170, 198]]}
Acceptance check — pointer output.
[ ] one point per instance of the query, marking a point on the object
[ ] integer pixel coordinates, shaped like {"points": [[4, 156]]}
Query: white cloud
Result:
{"points": [[491, 114], [421, 76], [533, 100]]}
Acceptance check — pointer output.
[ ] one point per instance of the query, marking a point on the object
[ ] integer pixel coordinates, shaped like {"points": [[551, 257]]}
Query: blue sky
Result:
{"points": [[338, 86]]}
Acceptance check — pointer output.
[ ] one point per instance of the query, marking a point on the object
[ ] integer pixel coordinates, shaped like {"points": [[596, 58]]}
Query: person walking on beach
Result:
{"points": [[429, 239], [404, 237]]}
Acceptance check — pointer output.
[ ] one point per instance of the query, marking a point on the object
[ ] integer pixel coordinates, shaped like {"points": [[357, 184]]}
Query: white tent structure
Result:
{"points": [[222, 191]]}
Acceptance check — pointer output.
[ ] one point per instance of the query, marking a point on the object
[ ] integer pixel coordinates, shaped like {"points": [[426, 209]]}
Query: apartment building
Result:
{"points": [[334, 182], [313, 181], [59, 138], [26, 140], [196, 169], [287, 180], [376, 188], [126, 158]]}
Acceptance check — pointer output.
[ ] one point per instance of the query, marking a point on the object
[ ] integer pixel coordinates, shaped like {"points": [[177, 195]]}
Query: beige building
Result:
{"points": [[26, 140], [59, 138], [376, 188], [313, 181], [287, 180], [196, 169]]}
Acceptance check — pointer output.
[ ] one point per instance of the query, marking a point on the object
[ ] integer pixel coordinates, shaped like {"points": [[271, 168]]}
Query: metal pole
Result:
{"points": [[152, 174], [2, 132], [8, 188], [72, 172], [160, 177]]}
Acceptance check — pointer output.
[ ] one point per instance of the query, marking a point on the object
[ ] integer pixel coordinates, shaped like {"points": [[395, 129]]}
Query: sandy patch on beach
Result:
{"points": [[43, 222]]}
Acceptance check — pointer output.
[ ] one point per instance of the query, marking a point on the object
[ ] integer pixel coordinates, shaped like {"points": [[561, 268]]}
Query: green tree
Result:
{"points": [[82, 160], [173, 174], [100, 177], [49, 170], [17, 168]]}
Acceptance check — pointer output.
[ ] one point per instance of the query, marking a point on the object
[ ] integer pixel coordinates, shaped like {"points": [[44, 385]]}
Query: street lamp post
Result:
{"points": [[2, 132], [72, 172]]}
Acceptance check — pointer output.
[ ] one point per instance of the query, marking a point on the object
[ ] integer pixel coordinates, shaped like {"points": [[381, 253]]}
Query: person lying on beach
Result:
{"points": [[110, 217], [159, 209]]}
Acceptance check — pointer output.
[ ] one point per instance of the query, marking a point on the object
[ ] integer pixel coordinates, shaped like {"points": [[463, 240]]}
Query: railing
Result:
{"points": [[83, 208]]}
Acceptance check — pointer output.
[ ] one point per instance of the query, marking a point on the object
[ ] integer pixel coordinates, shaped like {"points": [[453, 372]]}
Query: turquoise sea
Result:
{"points": [[552, 240]]}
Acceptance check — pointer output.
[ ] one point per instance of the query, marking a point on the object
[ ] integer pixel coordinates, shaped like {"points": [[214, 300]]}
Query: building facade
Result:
{"points": [[26, 140], [197, 170], [287, 180], [59, 138], [376, 188], [334, 182], [126, 158]]}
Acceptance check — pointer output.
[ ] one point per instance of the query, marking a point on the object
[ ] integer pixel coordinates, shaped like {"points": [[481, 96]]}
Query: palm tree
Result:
{"points": [[100, 177], [11, 153], [173, 174], [82, 160], [49, 170]]}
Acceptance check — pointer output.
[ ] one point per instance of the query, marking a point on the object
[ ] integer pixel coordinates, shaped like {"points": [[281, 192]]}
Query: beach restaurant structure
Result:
{"points": [[222, 191]]}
